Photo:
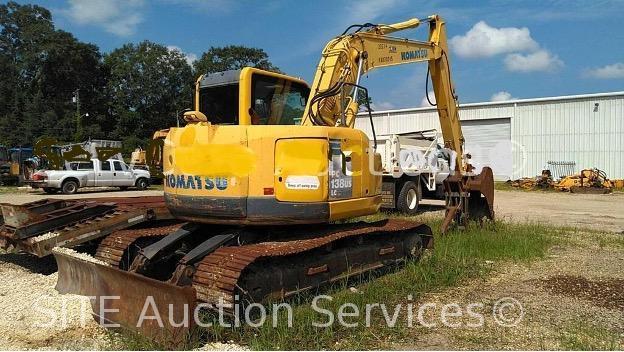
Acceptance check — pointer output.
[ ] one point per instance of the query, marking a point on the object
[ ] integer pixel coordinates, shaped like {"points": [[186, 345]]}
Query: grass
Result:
{"points": [[610, 240], [505, 186], [583, 335], [11, 189], [456, 257]]}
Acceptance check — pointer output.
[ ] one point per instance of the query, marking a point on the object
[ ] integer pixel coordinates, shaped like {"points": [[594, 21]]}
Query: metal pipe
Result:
{"points": [[359, 74]]}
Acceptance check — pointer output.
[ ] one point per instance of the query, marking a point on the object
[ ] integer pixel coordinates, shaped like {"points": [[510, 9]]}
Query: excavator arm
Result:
{"points": [[361, 48], [346, 58]]}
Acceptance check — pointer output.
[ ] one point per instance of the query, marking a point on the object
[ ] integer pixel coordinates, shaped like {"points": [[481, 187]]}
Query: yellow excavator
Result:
{"points": [[261, 154], [151, 158]]}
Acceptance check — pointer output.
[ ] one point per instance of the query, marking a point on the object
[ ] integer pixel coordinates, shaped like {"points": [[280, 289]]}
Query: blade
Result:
{"points": [[150, 307]]}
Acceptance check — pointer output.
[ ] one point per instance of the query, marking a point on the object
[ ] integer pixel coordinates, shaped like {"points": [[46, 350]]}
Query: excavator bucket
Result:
{"points": [[469, 198], [157, 310]]}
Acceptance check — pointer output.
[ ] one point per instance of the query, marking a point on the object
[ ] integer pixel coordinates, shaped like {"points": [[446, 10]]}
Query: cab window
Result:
{"points": [[220, 104], [106, 166], [117, 166], [85, 166], [277, 101]]}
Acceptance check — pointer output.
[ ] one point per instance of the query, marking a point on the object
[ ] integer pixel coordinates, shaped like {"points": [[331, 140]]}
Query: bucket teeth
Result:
{"points": [[468, 198]]}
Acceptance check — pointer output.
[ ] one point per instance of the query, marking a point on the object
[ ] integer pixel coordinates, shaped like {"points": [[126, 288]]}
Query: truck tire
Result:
{"points": [[69, 187], [141, 184], [408, 198], [50, 190]]}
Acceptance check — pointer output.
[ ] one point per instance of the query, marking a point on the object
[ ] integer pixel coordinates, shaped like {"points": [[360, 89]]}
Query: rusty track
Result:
{"points": [[218, 274], [113, 247]]}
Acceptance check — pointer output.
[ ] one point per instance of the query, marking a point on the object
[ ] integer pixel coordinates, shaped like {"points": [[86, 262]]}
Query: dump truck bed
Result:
{"points": [[39, 226]]}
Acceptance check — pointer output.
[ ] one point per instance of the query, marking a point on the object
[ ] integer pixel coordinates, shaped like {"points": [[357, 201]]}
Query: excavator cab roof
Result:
{"points": [[220, 78]]}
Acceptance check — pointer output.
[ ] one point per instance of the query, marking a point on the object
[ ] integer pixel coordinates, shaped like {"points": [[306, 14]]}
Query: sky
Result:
{"points": [[500, 50]]}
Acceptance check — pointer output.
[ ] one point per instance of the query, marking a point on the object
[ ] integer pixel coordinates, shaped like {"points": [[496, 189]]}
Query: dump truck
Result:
{"points": [[262, 154]]}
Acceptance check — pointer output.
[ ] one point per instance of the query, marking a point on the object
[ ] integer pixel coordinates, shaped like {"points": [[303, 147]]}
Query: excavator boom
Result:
{"points": [[335, 101]]}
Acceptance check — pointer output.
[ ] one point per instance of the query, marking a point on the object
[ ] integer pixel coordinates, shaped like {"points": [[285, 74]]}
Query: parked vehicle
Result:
{"points": [[93, 173], [414, 166], [16, 166]]}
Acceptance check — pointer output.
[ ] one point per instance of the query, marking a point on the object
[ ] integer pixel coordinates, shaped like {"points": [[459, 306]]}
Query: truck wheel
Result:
{"points": [[69, 187], [142, 184], [408, 198], [50, 190]]}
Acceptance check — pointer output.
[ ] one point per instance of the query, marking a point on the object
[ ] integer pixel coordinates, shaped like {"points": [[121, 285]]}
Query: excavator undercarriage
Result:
{"points": [[226, 270]]}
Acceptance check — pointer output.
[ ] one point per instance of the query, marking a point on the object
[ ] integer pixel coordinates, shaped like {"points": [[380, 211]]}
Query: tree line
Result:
{"points": [[125, 94]]}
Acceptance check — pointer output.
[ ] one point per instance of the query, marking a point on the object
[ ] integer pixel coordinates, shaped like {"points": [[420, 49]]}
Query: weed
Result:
{"points": [[582, 335]]}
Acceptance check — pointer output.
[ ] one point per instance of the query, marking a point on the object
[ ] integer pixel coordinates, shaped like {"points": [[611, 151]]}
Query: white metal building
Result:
{"points": [[518, 137]]}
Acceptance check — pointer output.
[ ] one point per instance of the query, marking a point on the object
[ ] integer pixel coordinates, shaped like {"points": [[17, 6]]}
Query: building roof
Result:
{"points": [[506, 102]]}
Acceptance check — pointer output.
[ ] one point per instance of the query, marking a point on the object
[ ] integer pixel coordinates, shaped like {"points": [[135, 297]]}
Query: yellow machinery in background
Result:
{"points": [[587, 181], [151, 158], [262, 153]]}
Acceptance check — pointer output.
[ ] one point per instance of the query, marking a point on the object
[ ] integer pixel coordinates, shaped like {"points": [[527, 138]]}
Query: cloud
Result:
{"points": [[119, 17], [483, 40], [190, 57], [424, 103], [501, 96], [541, 60], [384, 105], [613, 71]]}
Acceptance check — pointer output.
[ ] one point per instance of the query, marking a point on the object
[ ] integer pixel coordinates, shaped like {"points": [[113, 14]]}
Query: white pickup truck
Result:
{"points": [[93, 173]]}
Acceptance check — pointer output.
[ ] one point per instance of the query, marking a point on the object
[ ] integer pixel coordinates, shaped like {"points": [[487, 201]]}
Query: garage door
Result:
{"points": [[489, 143]]}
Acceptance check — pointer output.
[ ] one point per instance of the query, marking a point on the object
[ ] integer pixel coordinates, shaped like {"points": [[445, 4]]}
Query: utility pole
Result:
{"points": [[76, 99]]}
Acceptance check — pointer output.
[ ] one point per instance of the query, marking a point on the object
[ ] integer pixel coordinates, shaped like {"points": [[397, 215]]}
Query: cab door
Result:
{"points": [[122, 177], [104, 176]]}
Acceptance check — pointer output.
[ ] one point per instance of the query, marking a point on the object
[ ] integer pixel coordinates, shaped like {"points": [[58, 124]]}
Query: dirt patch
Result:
{"points": [[607, 293]]}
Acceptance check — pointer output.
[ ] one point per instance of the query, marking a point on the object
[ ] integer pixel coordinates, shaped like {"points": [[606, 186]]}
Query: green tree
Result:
{"points": [[232, 57], [41, 67], [147, 86]]}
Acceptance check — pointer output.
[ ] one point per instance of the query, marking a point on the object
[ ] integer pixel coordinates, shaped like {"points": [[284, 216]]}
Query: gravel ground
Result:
{"points": [[569, 301], [34, 315], [33, 195], [603, 212], [28, 298]]}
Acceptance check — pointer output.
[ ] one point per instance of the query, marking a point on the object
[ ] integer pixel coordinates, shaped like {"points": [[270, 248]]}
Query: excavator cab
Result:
{"points": [[244, 157], [273, 99]]}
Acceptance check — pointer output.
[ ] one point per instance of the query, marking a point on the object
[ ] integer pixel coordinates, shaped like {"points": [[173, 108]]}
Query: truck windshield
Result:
{"points": [[277, 101]]}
